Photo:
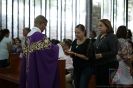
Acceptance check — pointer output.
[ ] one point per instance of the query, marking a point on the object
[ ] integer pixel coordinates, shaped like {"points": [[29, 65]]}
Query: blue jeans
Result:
{"points": [[82, 77]]}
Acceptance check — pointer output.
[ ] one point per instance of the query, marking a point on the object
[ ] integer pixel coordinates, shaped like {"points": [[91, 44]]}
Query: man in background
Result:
{"points": [[26, 30]]}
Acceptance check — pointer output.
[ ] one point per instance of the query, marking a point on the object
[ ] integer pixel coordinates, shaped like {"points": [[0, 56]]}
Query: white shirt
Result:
{"points": [[4, 54], [69, 62], [61, 52]]}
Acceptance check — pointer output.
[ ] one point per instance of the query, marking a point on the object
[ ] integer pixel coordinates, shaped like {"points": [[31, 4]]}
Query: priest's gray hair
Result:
{"points": [[40, 19]]}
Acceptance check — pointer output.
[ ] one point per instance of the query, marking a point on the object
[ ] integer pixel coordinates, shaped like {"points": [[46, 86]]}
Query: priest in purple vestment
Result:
{"points": [[40, 60]]}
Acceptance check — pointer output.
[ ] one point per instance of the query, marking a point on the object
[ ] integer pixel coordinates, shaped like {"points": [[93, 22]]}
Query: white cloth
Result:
{"points": [[33, 30], [61, 52], [21, 55], [4, 54], [69, 62], [124, 76], [36, 29], [23, 42]]}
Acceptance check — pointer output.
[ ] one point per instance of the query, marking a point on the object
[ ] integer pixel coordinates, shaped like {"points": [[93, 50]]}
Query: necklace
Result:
{"points": [[99, 41], [80, 43]]}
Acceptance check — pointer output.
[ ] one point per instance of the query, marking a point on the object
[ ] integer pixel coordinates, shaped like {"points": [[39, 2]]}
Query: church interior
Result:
{"points": [[62, 16]]}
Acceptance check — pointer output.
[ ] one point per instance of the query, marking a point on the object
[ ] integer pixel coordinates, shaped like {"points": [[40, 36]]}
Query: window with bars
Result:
{"points": [[115, 11], [62, 16]]}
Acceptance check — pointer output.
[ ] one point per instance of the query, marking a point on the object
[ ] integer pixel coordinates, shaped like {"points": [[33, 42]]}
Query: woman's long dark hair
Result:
{"points": [[3, 33], [129, 34], [121, 32]]}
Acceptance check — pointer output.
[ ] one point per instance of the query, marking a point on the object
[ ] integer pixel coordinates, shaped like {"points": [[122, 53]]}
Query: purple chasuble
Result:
{"points": [[40, 63]]}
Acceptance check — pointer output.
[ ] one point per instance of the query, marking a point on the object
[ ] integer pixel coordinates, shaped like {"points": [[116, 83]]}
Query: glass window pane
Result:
{"points": [[82, 12], [43, 12], [9, 16], [3, 14], [63, 18], [59, 20], [37, 7], [43, 7], [53, 19], [73, 19], [21, 11], [15, 18], [115, 15], [47, 16], [32, 14], [120, 13], [26, 13], [130, 14], [107, 9], [68, 13]]}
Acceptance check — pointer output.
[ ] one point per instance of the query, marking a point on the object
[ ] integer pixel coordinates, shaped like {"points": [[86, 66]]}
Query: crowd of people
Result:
{"points": [[108, 56]]}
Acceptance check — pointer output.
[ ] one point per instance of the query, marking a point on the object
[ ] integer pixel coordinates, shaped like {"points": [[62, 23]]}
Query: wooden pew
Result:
{"points": [[62, 70], [92, 83], [9, 77]]}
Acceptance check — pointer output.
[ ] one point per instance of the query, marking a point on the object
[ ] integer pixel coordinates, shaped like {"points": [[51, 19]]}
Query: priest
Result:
{"points": [[40, 59]]}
